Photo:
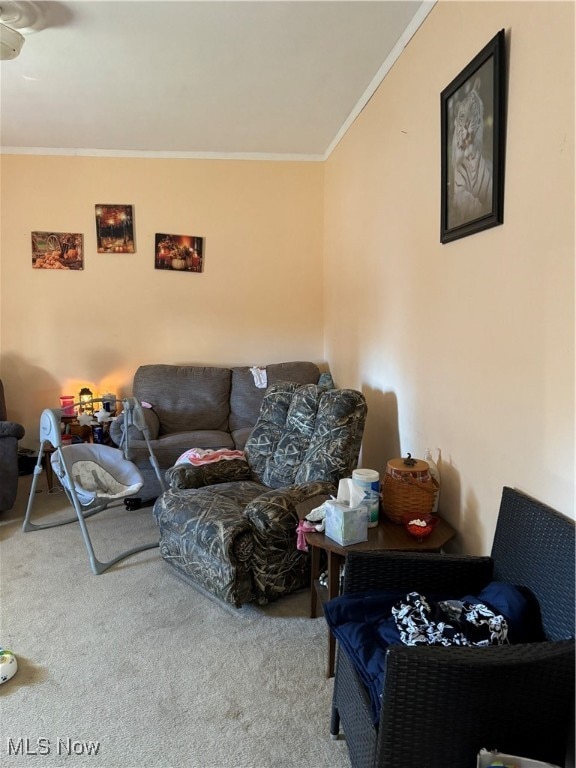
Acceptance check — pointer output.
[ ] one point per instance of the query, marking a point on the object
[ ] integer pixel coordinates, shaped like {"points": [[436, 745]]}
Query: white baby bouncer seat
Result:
{"points": [[93, 477], [98, 473]]}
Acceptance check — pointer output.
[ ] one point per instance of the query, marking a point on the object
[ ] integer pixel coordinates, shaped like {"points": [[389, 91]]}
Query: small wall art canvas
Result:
{"points": [[115, 229], [181, 253], [57, 250]]}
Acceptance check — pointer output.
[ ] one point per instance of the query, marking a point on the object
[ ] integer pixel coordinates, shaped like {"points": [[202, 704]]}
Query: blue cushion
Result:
{"points": [[520, 608], [365, 628]]}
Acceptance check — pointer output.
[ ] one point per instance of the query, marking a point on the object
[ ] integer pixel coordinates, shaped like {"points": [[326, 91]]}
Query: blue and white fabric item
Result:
{"points": [[367, 624], [448, 622]]}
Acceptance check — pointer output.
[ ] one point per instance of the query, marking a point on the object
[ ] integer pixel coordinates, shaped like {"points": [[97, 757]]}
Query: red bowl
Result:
{"points": [[419, 526]]}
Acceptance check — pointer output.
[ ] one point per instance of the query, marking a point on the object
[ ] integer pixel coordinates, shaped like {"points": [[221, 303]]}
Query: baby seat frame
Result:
{"points": [[50, 431]]}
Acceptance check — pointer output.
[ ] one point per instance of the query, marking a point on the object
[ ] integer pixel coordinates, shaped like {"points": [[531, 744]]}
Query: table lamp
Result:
{"points": [[86, 404]]}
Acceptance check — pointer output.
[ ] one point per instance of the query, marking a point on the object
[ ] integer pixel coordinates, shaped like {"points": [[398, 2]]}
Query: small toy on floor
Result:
{"points": [[8, 665]]}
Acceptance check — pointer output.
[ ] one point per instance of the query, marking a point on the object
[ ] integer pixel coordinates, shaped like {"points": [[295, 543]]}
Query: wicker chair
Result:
{"points": [[441, 705]]}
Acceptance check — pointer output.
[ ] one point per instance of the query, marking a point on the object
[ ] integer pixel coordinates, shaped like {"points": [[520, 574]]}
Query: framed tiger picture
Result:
{"points": [[473, 133]]}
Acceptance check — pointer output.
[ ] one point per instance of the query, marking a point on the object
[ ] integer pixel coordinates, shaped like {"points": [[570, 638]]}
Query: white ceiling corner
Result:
{"points": [[203, 78]]}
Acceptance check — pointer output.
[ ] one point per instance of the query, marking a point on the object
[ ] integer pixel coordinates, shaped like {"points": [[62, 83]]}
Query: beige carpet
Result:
{"points": [[137, 669]]}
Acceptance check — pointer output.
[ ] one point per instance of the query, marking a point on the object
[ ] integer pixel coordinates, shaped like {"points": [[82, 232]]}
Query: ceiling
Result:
{"points": [[207, 78]]}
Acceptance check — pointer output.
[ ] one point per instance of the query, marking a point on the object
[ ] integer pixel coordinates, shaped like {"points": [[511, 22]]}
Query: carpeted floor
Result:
{"points": [[137, 669]]}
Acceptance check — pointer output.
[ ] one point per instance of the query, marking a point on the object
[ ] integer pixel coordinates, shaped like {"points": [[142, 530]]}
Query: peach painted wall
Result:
{"points": [[258, 301], [465, 348]]}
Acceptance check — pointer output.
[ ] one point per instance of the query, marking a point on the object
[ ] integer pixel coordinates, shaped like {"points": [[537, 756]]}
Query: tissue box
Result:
{"points": [[345, 524]]}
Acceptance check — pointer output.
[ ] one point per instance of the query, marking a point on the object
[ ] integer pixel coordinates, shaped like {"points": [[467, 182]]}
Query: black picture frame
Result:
{"points": [[473, 134]]}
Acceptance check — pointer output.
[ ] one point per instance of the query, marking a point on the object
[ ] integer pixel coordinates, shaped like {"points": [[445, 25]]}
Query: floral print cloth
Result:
{"points": [[420, 621]]}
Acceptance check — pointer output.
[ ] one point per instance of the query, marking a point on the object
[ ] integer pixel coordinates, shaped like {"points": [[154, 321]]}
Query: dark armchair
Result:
{"points": [[230, 527], [10, 433], [441, 705]]}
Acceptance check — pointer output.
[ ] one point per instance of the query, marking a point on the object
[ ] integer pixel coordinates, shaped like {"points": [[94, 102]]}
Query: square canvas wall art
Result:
{"points": [[115, 229], [181, 253], [57, 250]]}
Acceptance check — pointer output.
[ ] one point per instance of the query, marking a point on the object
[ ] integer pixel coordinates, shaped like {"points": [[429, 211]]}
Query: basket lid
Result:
{"points": [[410, 466]]}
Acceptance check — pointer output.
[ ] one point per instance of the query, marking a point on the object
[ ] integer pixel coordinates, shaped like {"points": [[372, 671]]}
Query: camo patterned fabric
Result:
{"points": [[236, 537], [278, 566], [188, 476], [204, 536], [305, 432]]}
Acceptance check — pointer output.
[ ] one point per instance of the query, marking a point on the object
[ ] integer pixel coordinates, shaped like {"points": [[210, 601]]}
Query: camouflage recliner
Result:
{"points": [[230, 526]]}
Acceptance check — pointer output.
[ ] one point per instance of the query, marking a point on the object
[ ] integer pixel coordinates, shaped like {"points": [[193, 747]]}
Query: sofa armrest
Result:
{"points": [[183, 476], [275, 513], [11, 429], [278, 566], [424, 572]]}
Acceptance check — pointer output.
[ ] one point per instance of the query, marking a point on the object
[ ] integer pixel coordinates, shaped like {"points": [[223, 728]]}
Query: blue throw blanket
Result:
{"points": [[366, 624]]}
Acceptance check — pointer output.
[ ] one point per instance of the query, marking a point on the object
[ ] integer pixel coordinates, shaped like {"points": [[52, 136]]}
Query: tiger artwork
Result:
{"points": [[472, 171]]}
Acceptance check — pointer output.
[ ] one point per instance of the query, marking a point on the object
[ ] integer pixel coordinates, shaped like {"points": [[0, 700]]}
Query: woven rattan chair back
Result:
{"points": [[534, 546]]}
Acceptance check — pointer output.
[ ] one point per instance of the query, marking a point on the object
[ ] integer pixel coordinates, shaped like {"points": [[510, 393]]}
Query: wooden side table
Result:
{"points": [[47, 451], [385, 536]]}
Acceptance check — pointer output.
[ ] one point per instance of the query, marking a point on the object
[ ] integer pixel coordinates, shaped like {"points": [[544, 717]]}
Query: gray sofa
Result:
{"points": [[198, 407], [10, 433]]}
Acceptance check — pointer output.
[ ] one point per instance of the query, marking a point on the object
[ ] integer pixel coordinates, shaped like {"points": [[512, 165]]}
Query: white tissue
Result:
{"points": [[348, 520], [260, 376], [349, 492]]}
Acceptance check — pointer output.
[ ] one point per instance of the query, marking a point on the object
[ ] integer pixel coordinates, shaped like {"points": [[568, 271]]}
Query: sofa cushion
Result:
{"points": [[246, 397], [168, 448], [150, 419], [185, 397], [306, 433], [240, 437]]}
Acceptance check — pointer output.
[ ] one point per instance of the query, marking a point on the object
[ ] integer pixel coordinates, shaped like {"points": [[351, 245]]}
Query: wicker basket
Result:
{"points": [[407, 488]]}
